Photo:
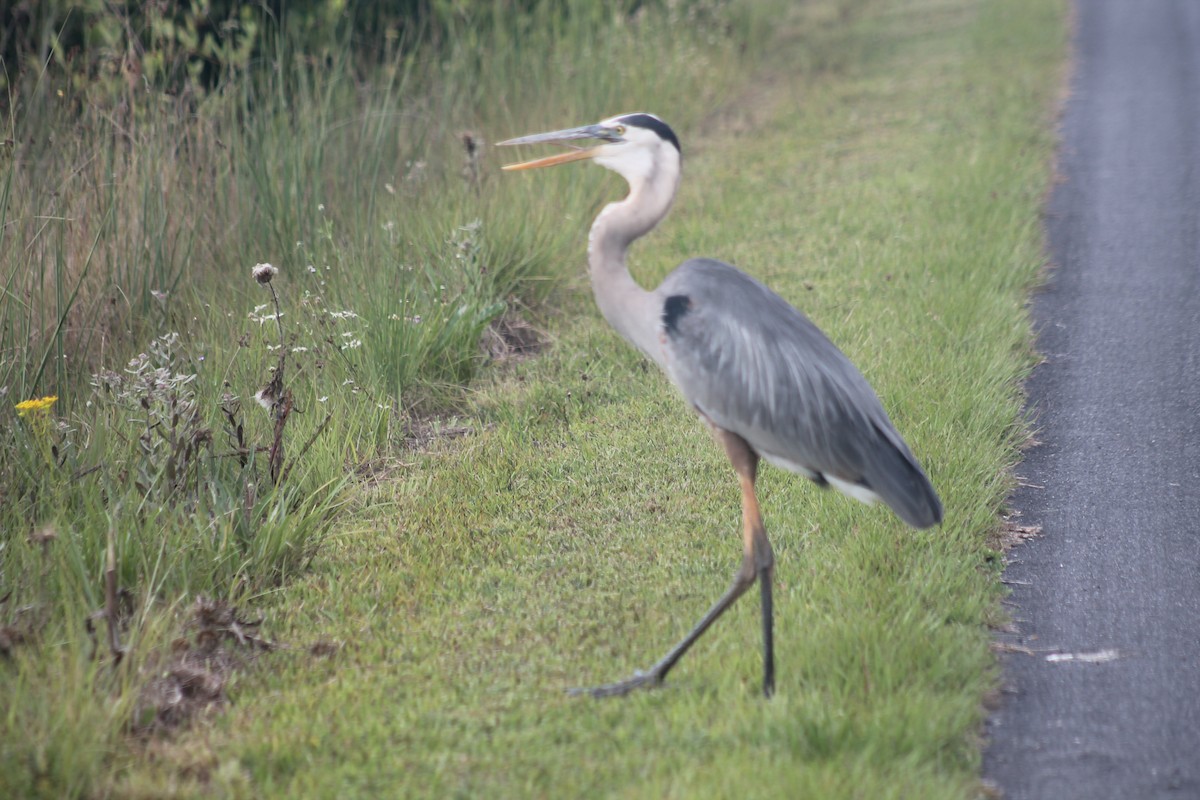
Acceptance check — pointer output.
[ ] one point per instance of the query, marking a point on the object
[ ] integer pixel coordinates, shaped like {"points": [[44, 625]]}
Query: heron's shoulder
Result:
{"points": [[715, 317], [720, 293], [710, 275], [716, 288]]}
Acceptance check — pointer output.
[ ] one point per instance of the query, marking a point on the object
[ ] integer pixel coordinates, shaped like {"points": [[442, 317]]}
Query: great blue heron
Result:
{"points": [[765, 379]]}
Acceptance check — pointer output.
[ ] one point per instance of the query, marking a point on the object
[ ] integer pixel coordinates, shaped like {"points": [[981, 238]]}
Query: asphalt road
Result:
{"points": [[1117, 403]]}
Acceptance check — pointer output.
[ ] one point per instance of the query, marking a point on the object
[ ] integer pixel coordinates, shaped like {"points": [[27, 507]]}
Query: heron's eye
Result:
{"points": [[620, 129]]}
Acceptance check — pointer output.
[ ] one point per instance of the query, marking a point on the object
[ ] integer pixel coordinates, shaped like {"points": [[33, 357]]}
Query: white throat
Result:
{"points": [[630, 309]]}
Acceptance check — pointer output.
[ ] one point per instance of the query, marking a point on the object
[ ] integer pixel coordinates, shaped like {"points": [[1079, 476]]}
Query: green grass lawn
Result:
{"points": [[883, 169], [885, 174]]}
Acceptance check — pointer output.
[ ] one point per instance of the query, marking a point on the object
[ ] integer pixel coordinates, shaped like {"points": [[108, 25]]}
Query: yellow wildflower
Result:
{"points": [[36, 407]]}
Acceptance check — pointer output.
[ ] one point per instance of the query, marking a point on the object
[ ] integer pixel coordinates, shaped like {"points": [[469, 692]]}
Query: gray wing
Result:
{"points": [[756, 366]]}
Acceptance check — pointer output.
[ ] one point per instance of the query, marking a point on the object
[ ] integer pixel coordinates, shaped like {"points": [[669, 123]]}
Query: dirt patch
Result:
{"points": [[13, 636], [192, 680], [376, 471], [511, 338], [419, 433]]}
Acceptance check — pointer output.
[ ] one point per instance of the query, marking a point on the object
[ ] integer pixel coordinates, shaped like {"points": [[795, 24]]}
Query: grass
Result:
{"points": [[886, 176], [884, 173], [130, 221]]}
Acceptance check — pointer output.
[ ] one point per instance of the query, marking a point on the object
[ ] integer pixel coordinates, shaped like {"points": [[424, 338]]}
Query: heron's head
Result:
{"points": [[633, 145]]}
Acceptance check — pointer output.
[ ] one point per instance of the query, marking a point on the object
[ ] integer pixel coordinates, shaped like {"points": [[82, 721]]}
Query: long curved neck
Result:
{"points": [[629, 308]]}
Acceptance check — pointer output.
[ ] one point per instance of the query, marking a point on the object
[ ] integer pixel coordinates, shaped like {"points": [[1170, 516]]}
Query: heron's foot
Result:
{"points": [[640, 680]]}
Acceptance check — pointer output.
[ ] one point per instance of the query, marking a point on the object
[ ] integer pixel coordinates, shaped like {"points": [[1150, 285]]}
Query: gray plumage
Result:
{"points": [[756, 366], [767, 381]]}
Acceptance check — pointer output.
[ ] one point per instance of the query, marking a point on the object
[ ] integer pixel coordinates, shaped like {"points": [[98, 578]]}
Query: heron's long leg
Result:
{"points": [[758, 563], [765, 579]]}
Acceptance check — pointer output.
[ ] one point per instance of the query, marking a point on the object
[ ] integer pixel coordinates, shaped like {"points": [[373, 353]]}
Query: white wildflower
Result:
{"points": [[260, 318]]}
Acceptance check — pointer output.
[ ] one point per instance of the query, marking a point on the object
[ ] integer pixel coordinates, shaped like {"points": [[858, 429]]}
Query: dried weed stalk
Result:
{"points": [[472, 171], [276, 397]]}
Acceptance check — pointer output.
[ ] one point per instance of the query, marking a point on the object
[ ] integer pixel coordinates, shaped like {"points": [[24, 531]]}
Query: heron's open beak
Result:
{"points": [[564, 137], [550, 161]]}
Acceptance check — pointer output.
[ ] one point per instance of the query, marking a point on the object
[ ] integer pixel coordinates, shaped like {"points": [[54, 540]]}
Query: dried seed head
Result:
{"points": [[471, 143], [43, 536], [266, 397], [264, 272]]}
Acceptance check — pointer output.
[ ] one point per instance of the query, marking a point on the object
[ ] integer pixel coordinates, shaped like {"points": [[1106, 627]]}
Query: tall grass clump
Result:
{"points": [[217, 301]]}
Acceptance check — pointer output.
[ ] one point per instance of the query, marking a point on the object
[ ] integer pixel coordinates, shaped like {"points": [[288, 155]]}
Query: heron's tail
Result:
{"points": [[899, 481]]}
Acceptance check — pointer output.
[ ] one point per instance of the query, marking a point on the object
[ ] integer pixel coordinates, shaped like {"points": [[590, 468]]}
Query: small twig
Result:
{"points": [[249, 497], [283, 408], [278, 313], [320, 429], [231, 407], [110, 597], [241, 454]]}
